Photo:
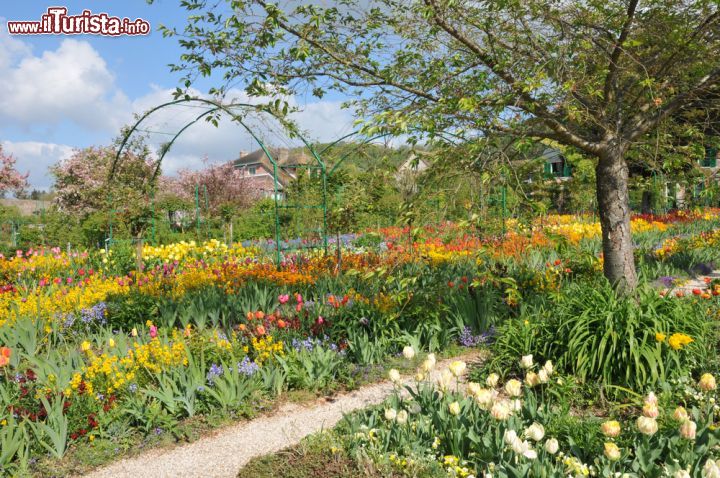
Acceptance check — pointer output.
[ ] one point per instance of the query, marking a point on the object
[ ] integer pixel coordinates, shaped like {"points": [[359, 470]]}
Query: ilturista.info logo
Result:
{"points": [[57, 22]]}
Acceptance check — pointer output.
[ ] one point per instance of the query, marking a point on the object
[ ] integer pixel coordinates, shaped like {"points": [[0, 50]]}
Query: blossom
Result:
{"points": [[612, 452], [680, 414], [454, 408], [707, 382], [513, 388], [402, 417], [85, 346], [134, 332], [457, 367], [650, 410], [552, 446], [660, 337], [510, 436], [484, 398], [678, 341], [548, 367], [610, 428], [711, 469], [526, 361], [542, 376], [111, 342], [214, 372], [445, 379], [688, 428], [492, 380], [283, 298], [651, 399], [501, 410], [429, 363], [473, 388], [247, 367], [535, 432], [5, 354], [681, 474], [532, 379], [390, 414], [394, 375], [647, 425], [408, 352]]}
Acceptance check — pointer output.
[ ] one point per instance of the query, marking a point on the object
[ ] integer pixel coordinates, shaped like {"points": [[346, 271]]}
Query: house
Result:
{"points": [[408, 172], [258, 169], [556, 165]]}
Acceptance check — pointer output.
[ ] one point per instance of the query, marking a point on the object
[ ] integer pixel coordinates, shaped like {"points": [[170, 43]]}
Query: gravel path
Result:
{"points": [[695, 283], [224, 453]]}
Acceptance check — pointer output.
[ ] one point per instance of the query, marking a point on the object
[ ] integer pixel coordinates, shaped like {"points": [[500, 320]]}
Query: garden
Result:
{"points": [[508, 266], [99, 358]]}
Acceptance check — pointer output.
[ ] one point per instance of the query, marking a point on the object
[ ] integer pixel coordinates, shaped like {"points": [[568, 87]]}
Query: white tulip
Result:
{"points": [[513, 388], [526, 361], [535, 432], [402, 417], [552, 446]]}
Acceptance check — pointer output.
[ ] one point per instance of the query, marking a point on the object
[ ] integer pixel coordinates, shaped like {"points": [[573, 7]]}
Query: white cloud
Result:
{"points": [[11, 49], [35, 157], [72, 83], [71, 88]]}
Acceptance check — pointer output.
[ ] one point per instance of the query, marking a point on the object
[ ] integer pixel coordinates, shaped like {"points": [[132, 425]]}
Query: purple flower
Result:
{"points": [[247, 367], [667, 281], [467, 339], [214, 372]]}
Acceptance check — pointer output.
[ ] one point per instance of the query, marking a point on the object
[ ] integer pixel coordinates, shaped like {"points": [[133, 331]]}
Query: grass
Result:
{"points": [[316, 457]]}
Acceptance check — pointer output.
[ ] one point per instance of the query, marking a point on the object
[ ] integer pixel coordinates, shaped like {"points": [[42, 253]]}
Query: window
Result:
{"points": [[252, 170], [558, 169], [710, 159]]}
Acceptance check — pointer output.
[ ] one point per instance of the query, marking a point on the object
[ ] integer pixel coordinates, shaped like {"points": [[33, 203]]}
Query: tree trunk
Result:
{"points": [[614, 210]]}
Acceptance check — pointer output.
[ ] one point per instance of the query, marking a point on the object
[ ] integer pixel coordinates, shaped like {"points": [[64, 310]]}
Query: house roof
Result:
{"points": [[284, 157], [414, 163], [552, 155]]}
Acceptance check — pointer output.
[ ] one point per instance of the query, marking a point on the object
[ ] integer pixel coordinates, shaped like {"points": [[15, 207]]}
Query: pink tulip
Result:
{"points": [[153, 331], [283, 298]]}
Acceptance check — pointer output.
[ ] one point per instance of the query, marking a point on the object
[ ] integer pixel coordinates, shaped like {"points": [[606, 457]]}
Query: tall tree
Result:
{"points": [[596, 75]]}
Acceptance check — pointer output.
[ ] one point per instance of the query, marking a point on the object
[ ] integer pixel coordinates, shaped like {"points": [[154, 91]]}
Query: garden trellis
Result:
{"points": [[238, 113], [282, 205]]}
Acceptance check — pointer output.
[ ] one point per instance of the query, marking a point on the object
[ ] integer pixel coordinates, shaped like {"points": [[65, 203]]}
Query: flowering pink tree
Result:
{"points": [[10, 178], [225, 184], [82, 186]]}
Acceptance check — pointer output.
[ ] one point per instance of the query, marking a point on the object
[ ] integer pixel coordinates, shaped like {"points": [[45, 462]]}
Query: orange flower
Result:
{"points": [[4, 356], [281, 323], [260, 330], [259, 314], [241, 327]]}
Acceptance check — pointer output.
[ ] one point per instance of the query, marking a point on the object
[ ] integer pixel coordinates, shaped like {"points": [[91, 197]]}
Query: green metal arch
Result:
{"points": [[369, 139], [216, 106]]}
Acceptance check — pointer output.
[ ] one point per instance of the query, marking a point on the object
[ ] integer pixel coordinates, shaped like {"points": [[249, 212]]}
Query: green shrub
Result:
{"points": [[594, 334]]}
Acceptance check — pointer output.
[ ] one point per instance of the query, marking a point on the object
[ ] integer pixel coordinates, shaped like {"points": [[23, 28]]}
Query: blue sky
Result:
{"points": [[66, 92]]}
